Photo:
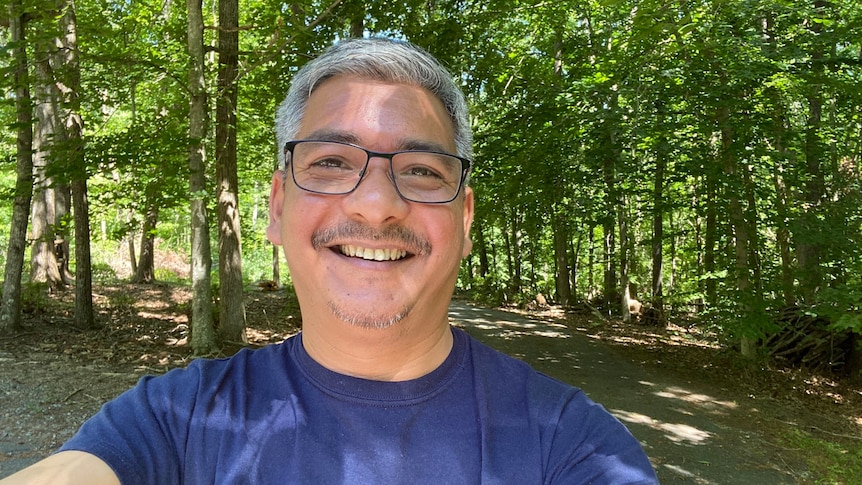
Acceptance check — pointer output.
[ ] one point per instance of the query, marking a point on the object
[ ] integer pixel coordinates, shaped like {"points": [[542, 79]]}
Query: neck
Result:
{"points": [[398, 353]]}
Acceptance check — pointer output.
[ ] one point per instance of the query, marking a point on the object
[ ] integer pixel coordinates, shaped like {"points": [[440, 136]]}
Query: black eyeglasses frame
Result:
{"points": [[466, 165]]}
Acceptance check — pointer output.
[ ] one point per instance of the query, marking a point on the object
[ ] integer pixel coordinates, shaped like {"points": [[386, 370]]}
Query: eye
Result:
{"points": [[423, 171], [330, 162]]}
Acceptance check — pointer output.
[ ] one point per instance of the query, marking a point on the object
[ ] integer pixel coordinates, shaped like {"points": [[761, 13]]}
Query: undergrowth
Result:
{"points": [[834, 462]]}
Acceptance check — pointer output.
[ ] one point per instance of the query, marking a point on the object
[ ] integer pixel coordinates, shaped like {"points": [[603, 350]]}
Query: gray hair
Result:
{"points": [[379, 59]]}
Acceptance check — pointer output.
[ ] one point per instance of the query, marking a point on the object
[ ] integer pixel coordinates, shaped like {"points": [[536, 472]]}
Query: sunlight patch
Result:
{"points": [[702, 400], [676, 432]]}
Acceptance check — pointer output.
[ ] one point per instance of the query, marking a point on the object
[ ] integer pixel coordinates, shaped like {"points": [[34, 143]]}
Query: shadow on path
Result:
{"points": [[692, 434]]}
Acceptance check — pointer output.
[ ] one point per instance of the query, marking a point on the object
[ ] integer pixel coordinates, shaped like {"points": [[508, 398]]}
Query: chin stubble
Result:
{"points": [[366, 320]]}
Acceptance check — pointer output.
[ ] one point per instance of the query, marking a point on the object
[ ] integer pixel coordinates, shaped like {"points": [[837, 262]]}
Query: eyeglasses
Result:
{"points": [[336, 168]]}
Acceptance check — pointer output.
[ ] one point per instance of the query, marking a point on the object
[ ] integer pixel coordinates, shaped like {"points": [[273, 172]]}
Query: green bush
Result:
{"points": [[34, 297], [103, 272]]}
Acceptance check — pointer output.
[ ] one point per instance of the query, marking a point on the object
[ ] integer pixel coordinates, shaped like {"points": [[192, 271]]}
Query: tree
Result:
{"points": [[202, 330], [49, 249], [74, 152], [145, 271], [231, 300], [10, 311]]}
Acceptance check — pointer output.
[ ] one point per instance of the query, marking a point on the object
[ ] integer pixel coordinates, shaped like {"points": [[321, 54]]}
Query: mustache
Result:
{"points": [[413, 243]]}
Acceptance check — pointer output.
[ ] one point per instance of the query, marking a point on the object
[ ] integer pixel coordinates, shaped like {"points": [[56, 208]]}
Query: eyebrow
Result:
{"points": [[333, 135], [347, 137]]}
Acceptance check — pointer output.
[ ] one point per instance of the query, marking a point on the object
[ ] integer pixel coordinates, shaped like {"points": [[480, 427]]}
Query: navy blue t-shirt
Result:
{"points": [[275, 416]]}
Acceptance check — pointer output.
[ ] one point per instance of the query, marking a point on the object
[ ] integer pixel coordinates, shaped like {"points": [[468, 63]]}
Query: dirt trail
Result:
{"points": [[692, 433]]}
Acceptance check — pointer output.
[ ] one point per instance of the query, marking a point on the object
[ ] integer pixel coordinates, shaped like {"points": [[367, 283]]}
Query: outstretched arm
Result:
{"points": [[65, 468]]}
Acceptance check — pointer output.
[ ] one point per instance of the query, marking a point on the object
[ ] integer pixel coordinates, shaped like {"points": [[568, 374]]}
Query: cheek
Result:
{"points": [[302, 215]]}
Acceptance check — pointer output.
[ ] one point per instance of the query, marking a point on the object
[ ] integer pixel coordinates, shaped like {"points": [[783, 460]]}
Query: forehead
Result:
{"points": [[370, 111]]}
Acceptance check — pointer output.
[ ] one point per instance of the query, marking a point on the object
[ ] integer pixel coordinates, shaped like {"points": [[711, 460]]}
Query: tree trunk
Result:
{"points": [[45, 265], [231, 300], [202, 329], [657, 297], [515, 286], [482, 247], [133, 255], [559, 223], [357, 22], [507, 241], [738, 224], [146, 270], [591, 261], [710, 237], [750, 213], [610, 156], [10, 310], [62, 209], [610, 262], [575, 266], [624, 262], [276, 267], [561, 260], [84, 315]]}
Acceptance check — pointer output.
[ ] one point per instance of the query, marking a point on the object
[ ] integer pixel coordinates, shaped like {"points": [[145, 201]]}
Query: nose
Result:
{"points": [[375, 200]]}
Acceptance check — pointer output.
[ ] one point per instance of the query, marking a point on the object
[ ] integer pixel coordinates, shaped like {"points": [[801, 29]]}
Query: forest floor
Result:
{"points": [[792, 425]]}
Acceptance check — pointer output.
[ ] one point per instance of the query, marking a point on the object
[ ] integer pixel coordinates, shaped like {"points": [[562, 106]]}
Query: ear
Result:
{"points": [[468, 221], [276, 206]]}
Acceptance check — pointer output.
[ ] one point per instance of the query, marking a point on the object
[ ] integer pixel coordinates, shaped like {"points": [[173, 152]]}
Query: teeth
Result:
{"points": [[373, 254]]}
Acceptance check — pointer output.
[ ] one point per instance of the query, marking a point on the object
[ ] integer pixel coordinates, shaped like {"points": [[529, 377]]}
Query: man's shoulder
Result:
{"points": [[513, 378], [277, 352], [206, 374]]}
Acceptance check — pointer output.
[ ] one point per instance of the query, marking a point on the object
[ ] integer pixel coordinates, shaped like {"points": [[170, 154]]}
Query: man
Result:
{"points": [[373, 210]]}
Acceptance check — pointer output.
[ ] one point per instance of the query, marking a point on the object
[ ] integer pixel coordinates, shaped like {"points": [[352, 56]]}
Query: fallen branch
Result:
{"points": [[596, 312], [76, 391]]}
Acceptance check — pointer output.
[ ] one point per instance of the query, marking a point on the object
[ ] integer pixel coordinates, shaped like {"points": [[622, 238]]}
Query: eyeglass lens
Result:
{"points": [[337, 168]]}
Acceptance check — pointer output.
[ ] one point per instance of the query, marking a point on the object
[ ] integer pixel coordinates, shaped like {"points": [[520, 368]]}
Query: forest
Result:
{"points": [[648, 160]]}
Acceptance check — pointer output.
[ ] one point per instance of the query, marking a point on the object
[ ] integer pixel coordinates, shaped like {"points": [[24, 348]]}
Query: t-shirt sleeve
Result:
{"points": [[589, 445], [141, 433]]}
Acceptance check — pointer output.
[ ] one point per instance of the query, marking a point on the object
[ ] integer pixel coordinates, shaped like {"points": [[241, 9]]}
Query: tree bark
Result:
{"points": [[276, 267], [624, 262], [610, 156], [559, 223], [231, 299], [657, 296], [146, 268], [561, 260], [203, 338], [45, 262], [575, 260], [710, 237], [742, 237], [482, 247], [10, 310], [517, 264], [84, 314], [357, 20]]}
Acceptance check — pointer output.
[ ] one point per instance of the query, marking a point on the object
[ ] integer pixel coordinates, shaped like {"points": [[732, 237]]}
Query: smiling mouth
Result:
{"points": [[372, 254]]}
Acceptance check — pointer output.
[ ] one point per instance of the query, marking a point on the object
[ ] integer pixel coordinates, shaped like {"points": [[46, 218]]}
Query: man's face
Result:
{"points": [[333, 243]]}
